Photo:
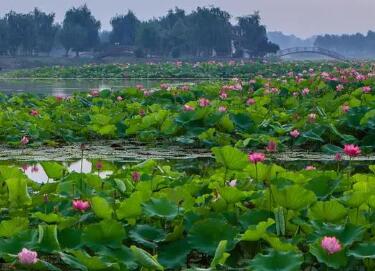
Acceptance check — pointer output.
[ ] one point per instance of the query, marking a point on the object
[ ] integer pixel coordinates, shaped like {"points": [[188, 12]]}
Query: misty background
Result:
{"points": [[343, 26]]}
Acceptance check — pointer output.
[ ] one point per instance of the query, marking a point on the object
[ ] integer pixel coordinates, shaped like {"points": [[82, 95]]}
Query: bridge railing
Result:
{"points": [[317, 50]]}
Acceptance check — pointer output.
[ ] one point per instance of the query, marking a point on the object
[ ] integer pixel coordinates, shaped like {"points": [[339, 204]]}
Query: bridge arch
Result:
{"points": [[313, 50]]}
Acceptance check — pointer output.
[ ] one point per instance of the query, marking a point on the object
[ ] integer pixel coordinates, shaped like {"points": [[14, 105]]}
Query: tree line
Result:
{"points": [[356, 45], [205, 32]]}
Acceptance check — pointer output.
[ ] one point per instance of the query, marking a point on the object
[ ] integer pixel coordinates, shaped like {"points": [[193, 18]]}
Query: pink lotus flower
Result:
{"points": [[81, 205], [164, 86], [27, 257], [312, 117], [59, 98], [366, 89], [256, 157], [274, 90], [338, 157], [223, 95], [139, 86], [99, 165], [345, 108], [146, 93], [34, 112], [136, 176], [305, 91], [188, 107], [95, 92], [250, 101], [25, 167], [34, 169], [310, 168], [252, 81], [233, 183], [203, 102], [25, 140], [185, 88], [360, 77], [295, 133], [272, 146], [119, 98], [222, 109], [352, 150], [339, 87], [331, 245]]}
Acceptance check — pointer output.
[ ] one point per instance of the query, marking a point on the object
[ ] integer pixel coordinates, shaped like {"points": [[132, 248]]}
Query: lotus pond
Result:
{"points": [[275, 172], [223, 213]]}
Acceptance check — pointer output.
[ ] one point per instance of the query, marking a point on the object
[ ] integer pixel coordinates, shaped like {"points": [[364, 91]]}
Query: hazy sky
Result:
{"points": [[300, 17]]}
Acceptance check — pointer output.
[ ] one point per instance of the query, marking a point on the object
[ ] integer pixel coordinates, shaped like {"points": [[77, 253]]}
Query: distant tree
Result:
{"points": [[173, 33], [251, 36], [211, 31], [148, 37], [45, 31], [124, 29], [356, 45], [80, 30], [4, 43], [21, 32]]}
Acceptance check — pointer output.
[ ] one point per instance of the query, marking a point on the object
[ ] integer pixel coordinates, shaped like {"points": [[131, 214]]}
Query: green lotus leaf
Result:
{"points": [[220, 254], [293, 197], [70, 238], [48, 218], [53, 170], [232, 194], [161, 208], [47, 238], [131, 207], [242, 121], [257, 232], [278, 245], [328, 211], [8, 172], [371, 201], [105, 233], [72, 262], [355, 199], [9, 228], [336, 261], [347, 234], [173, 255], [101, 208], [276, 260], [363, 251], [145, 259], [91, 262], [18, 192], [147, 235], [264, 172], [230, 158], [322, 186], [254, 217], [205, 235]]}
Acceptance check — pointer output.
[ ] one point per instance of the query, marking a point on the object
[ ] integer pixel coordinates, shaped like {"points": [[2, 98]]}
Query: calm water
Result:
{"points": [[122, 153], [68, 86]]}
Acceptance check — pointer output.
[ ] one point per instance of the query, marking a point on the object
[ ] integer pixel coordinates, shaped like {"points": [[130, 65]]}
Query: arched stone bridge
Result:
{"points": [[314, 50]]}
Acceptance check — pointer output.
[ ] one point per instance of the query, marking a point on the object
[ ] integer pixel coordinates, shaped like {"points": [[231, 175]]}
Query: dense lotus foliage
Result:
{"points": [[312, 110], [240, 210], [229, 213], [179, 69]]}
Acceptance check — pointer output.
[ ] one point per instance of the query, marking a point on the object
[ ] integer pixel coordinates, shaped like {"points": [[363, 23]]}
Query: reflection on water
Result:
{"points": [[68, 86], [37, 174]]}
